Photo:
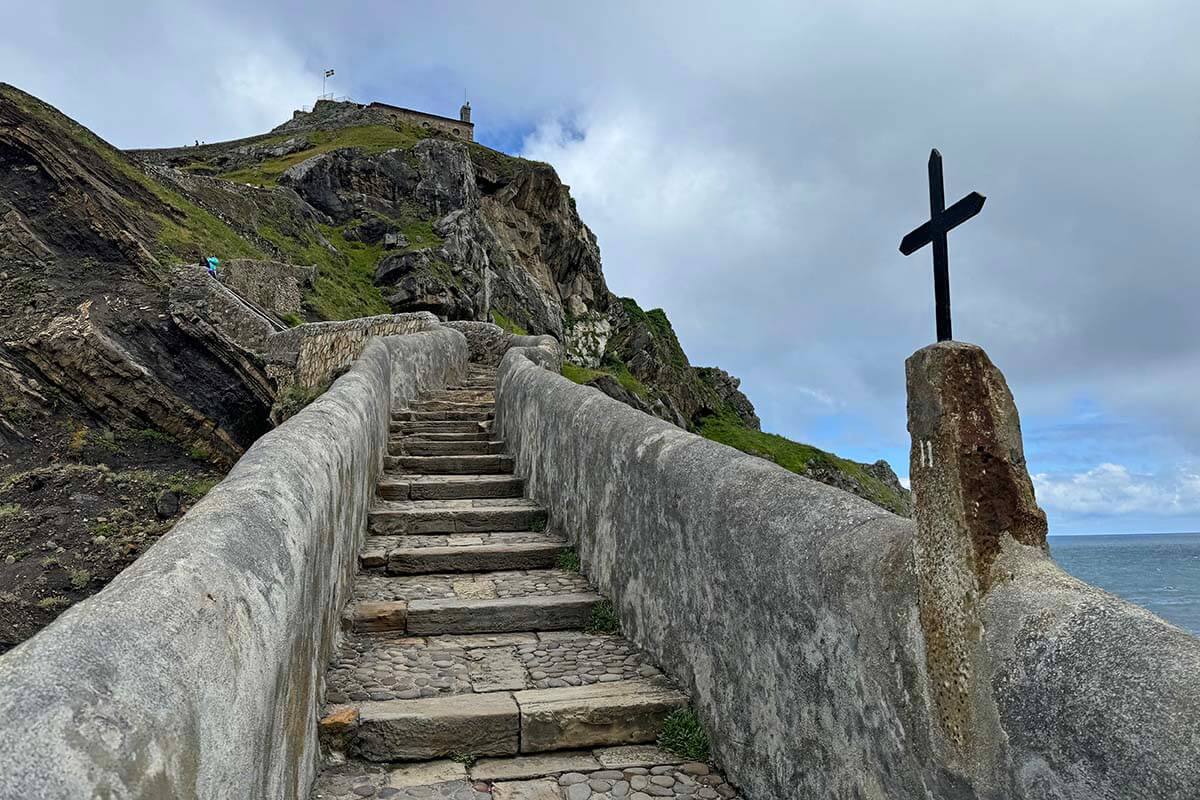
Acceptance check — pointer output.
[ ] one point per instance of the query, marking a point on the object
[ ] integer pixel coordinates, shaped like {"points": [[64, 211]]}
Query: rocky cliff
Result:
{"points": [[119, 406]]}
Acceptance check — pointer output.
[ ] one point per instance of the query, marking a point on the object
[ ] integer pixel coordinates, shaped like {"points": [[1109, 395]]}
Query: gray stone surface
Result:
{"points": [[625, 712], [551, 612], [793, 619], [438, 727], [394, 667], [196, 672], [447, 487], [973, 493]]}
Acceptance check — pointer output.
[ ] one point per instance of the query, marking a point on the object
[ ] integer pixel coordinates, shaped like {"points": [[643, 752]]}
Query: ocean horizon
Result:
{"points": [[1157, 571]]}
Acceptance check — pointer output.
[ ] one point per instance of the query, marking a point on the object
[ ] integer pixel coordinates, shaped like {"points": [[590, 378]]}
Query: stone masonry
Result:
{"points": [[466, 670]]}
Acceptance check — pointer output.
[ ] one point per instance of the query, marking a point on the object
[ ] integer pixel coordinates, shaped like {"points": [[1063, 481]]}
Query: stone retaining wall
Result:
{"points": [[196, 673], [310, 355], [277, 287], [789, 610]]}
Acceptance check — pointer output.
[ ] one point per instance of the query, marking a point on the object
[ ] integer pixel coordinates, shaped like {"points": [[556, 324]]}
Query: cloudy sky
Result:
{"points": [[751, 167]]}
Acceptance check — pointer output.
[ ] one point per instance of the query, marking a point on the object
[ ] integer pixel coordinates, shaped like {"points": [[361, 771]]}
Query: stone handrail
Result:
{"points": [[196, 673], [789, 610]]}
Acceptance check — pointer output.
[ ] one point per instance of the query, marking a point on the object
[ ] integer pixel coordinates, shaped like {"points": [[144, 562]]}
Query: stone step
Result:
{"points": [[510, 723], [451, 465], [409, 428], [603, 773], [441, 436], [483, 552], [462, 396], [468, 415], [416, 446], [448, 487], [434, 404], [558, 612], [485, 602], [396, 666], [456, 516]]}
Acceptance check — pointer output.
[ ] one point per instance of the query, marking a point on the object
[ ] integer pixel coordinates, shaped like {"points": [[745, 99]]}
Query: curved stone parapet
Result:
{"points": [[789, 610], [197, 672]]}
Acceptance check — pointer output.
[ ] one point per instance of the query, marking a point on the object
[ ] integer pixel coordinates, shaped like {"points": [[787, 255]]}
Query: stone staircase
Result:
{"points": [[467, 670]]}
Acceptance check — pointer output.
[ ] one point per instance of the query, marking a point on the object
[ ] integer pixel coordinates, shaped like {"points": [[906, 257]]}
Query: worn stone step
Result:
{"points": [[451, 465], [545, 613], [415, 446], [558, 612], [437, 727], [410, 428], [470, 415], [417, 554], [456, 516], [507, 724], [448, 487], [397, 666], [437, 404], [443, 436], [604, 773], [462, 395], [602, 714]]}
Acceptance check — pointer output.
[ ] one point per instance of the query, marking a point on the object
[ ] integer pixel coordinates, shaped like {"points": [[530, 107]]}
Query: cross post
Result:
{"points": [[941, 221]]}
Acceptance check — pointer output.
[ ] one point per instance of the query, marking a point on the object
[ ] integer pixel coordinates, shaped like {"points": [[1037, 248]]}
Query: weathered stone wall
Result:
{"points": [[310, 355], [456, 128], [277, 287], [789, 610], [197, 672]]}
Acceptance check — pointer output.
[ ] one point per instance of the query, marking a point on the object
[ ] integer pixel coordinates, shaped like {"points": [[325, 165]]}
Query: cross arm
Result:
{"points": [[951, 218]]}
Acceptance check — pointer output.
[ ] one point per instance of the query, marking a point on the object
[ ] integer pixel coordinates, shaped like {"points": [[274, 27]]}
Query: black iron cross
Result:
{"points": [[942, 220]]}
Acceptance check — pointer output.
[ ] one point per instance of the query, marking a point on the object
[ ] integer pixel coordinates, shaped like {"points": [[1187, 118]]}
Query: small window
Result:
{"points": [[456, 131]]}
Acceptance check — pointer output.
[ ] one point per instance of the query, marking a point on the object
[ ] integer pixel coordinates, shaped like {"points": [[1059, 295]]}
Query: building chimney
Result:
{"points": [[464, 113]]}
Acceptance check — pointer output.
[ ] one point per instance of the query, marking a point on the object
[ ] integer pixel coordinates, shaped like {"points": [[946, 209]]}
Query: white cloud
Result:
{"points": [[1112, 489]]}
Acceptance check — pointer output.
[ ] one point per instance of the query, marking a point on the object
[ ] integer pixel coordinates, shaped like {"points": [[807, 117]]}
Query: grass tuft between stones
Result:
{"points": [[683, 735], [466, 759], [604, 619], [568, 560]]}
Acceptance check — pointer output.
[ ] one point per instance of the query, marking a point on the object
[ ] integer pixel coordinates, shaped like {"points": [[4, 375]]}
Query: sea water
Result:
{"points": [[1158, 571]]}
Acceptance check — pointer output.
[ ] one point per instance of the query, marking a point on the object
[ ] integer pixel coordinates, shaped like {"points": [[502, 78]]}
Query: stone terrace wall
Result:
{"points": [[789, 610], [196, 673], [277, 287], [310, 355]]}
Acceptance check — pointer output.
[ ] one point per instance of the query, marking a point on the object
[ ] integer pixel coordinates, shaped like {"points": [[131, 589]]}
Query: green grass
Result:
{"points": [[80, 578], [728, 429], [683, 735], [345, 284], [369, 138], [604, 619], [616, 369], [568, 560], [292, 319], [55, 603], [191, 488], [9, 510], [507, 324]]}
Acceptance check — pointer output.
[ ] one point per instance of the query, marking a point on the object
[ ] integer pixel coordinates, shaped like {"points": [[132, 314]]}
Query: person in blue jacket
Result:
{"points": [[213, 262]]}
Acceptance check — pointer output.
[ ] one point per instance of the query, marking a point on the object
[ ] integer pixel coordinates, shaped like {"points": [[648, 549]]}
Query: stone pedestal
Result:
{"points": [[972, 492]]}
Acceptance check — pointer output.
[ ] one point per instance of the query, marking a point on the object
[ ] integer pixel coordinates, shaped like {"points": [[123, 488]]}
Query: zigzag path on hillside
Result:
{"points": [[467, 671]]}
